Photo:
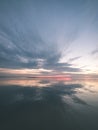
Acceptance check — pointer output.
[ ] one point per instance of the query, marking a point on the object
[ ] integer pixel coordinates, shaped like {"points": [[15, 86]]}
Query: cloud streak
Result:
{"points": [[94, 52], [37, 35], [74, 58]]}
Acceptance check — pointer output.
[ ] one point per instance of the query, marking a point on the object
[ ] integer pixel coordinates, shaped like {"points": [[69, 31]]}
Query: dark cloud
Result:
{"points": [[62, 67], [26, 49], [22, 44]]}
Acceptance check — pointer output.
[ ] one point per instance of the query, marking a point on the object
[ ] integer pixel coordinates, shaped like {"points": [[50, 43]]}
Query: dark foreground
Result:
{"points": [[48, 105]]}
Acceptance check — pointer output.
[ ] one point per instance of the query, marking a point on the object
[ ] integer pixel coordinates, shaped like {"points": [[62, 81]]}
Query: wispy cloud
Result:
{"points": [[74, 58], [94, 52], [37, 35]]}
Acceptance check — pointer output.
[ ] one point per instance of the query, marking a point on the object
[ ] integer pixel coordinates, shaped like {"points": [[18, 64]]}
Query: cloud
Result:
{"points": [[74, 58], [33, 36], [28, 53], [94, 52], [29, 50], [61, 67]]}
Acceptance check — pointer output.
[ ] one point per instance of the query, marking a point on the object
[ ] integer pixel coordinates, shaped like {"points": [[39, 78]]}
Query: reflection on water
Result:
{"points": [[36, 104]]}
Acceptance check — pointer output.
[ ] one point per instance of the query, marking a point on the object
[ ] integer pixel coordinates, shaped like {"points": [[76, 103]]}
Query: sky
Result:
{"points": [[48, 37]]}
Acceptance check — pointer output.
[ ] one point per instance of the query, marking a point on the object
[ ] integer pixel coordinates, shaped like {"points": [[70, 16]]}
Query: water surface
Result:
{"points": [[47, 104]]}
